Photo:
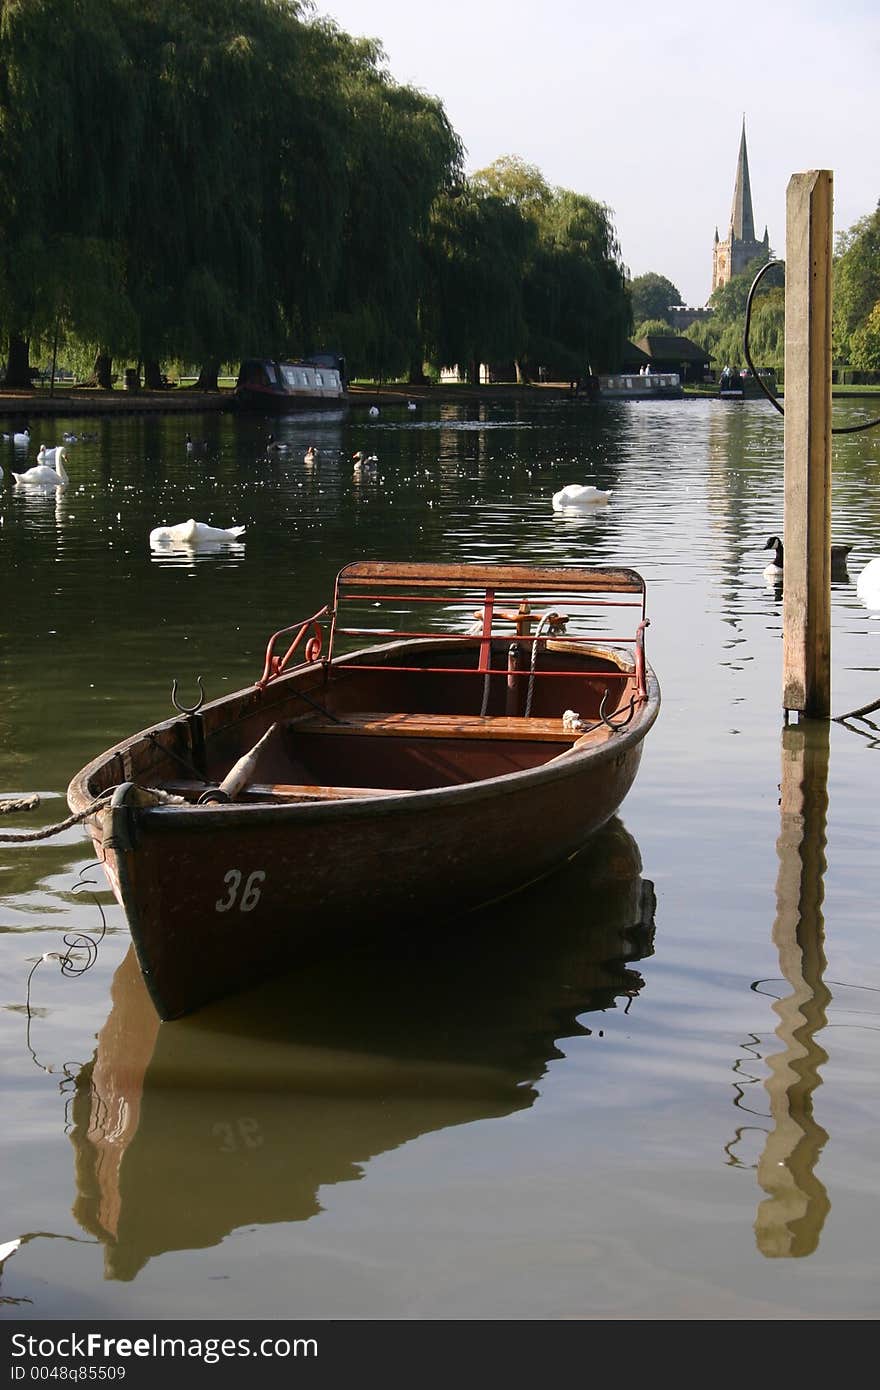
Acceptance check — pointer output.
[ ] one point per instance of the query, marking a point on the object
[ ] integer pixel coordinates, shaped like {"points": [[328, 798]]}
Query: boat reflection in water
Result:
{"points": [[237, 1115]]}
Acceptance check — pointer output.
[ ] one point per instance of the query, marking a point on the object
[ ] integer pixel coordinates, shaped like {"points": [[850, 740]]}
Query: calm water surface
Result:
{"points": [[647, 1088]]}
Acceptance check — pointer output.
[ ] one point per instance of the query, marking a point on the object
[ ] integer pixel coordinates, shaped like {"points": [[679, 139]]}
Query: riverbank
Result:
{"points": [[85, 400], [37, 403]]}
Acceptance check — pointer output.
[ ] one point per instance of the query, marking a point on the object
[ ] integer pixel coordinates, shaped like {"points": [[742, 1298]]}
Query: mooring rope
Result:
{"points": [[28, 835]]}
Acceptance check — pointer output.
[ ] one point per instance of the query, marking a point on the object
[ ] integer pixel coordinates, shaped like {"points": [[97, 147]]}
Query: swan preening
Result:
{"points": [[49, 470], [194, 533], [774, 570], [578, 497]]}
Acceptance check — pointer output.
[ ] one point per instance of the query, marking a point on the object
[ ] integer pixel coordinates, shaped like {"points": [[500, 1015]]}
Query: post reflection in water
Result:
{"points": [[789, 1221], [239, 1114]]}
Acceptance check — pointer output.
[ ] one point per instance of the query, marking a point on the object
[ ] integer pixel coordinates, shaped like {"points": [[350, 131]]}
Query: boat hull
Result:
{"points": [[218, 898], [385, 801]]}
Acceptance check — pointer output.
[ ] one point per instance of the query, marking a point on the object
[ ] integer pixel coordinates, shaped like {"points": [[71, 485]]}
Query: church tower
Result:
{"points": [[731, 257]]}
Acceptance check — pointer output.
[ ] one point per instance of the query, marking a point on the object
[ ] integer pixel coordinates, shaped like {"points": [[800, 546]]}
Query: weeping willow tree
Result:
{"points": [[576, 310], [475, 253], [212, 228], [66, 105], [400, 153]]}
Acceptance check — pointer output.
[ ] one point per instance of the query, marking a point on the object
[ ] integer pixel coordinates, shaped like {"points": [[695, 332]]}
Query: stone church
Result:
{"points": [[731, 257]]}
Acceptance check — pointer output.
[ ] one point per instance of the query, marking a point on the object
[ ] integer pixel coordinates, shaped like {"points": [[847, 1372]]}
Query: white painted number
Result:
{"points": [[250, 894]]}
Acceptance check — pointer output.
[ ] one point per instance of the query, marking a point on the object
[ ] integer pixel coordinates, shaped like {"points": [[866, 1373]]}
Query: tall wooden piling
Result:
{"points": [[806, 603]]}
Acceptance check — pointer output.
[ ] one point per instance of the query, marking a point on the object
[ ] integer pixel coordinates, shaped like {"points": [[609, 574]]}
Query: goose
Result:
{"points": [[578, 497], [774, 570], [868, 584], [193, 533], [374, 411], [46, 474], [311, 455]]}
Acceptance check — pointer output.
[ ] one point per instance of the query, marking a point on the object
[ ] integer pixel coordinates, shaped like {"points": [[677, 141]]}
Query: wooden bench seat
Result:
{"points": [[454, 726]]}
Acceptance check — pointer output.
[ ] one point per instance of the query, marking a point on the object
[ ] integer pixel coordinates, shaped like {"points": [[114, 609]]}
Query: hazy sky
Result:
{"points": [[640, 105]]}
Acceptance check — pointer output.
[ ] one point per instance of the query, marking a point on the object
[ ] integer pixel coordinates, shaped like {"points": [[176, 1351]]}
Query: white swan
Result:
{"points": [[21, 436], [868, 584], [45, 474], [51, 456], [193, 533], [578, 497], [374, 410], [411, 405]]}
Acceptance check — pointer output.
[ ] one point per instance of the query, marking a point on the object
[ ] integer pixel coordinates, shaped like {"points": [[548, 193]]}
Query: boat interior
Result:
{"points": [[417, 676]]}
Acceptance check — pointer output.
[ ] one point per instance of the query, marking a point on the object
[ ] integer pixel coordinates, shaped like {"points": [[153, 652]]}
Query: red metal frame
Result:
{"points": [[455, 585]]}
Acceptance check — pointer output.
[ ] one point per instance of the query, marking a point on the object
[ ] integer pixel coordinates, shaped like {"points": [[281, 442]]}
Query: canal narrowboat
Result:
{"points": [[490, 726], [277, 387]]}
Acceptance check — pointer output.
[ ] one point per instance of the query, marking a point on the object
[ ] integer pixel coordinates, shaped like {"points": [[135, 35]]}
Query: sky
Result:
{"points": [[641, 105]]}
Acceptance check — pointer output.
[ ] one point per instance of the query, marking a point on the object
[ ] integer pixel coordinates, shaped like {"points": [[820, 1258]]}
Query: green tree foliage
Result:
{"points": [[856, 294], [653, 328], [722, 334], [231, 177], [475, 253], [575, 308], [652, 295], [401, 154]]}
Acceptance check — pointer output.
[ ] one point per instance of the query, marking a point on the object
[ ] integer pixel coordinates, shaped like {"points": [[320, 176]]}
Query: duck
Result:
{"points": [[774, 570], [46, 474], [364, 462], [374, 411], [273, 446], [194, 533], [195, 445], [311, 455], [868, 584], [69, 438], [577, 497]]}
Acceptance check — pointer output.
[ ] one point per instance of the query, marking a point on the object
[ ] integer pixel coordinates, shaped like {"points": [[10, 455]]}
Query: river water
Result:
{"points": [[647, 1088]]}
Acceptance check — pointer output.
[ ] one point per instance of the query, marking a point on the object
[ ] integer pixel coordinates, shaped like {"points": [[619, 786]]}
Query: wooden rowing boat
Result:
{"points": [[496, 724]]}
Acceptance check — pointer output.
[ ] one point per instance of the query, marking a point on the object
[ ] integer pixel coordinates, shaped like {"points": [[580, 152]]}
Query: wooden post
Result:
{"points": [[806, 603]]}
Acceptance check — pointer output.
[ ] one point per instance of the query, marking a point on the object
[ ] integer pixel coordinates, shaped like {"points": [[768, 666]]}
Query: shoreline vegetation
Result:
{"points": [[85, 400]]}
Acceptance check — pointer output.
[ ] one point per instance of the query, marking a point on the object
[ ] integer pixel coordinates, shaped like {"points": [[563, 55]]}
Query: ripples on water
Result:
{"points": [[647, 1089]]}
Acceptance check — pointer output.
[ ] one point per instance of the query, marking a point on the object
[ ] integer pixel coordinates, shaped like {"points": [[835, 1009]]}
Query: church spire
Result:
{"points": [[742, 220]]}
